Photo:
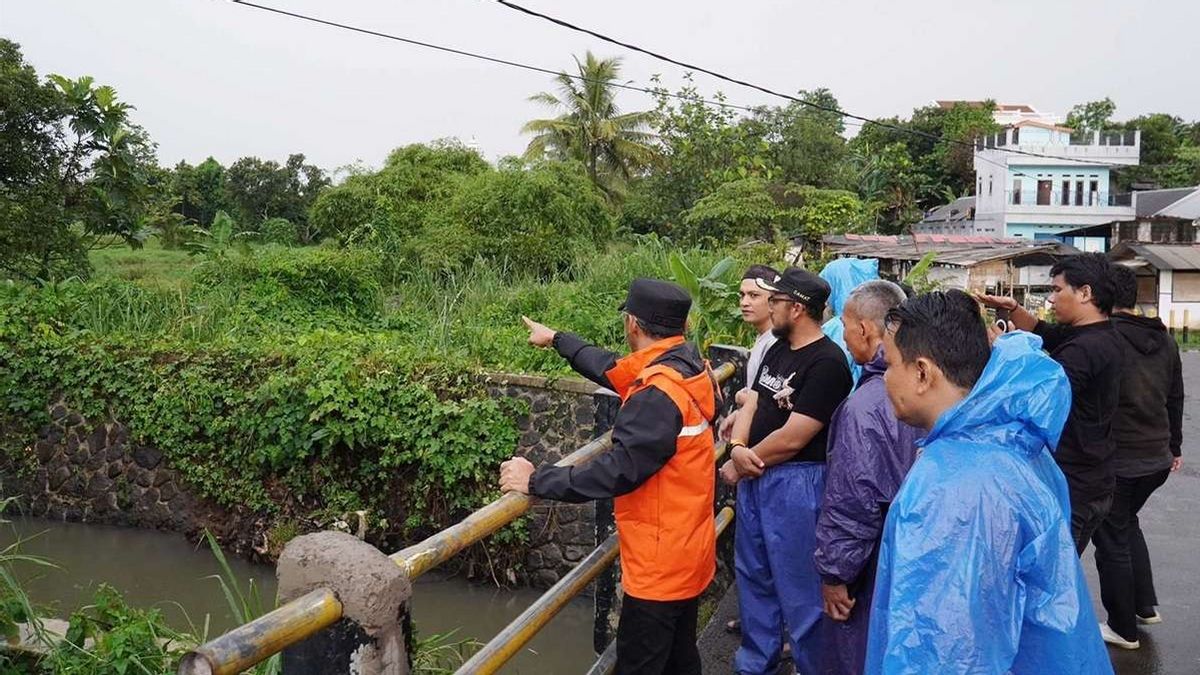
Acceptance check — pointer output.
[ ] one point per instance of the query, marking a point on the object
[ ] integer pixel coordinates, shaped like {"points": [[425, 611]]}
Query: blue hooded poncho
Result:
{"points": [[977, 569], [843, 276]]}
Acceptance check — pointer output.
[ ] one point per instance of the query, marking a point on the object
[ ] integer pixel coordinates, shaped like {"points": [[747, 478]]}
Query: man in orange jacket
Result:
{"points": [[660, 473]]}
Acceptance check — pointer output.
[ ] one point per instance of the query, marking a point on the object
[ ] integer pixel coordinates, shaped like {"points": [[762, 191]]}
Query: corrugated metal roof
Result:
{"points": [[1187, 208], [1170, 256], [957, 251], [1152, 203], [959, 210]]}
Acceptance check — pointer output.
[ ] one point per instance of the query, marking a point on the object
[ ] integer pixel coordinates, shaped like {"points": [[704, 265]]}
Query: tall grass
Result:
{"points": [[471, 313], [246, 605]]}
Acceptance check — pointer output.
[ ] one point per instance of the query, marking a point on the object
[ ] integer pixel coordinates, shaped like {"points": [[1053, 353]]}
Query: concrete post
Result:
{"points": [[369, 639]]}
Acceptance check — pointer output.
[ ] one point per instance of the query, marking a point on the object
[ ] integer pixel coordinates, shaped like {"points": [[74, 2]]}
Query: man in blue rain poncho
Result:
{"points": [[843, 276], [977, 569]]}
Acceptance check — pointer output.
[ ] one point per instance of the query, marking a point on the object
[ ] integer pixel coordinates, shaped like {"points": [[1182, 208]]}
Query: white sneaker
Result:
{"points": [[1152, 619], [1110, 636]]}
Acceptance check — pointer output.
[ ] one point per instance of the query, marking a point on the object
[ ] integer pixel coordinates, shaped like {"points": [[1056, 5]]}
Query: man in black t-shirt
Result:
{"points": [[778, 456], [1088, 348]]}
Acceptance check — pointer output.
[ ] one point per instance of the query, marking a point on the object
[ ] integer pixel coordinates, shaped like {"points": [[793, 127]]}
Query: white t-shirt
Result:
{"points": [[761, 345]]}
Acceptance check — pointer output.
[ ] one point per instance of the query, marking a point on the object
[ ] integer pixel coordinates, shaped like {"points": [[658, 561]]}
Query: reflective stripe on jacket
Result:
{"points": [[667, 535]]}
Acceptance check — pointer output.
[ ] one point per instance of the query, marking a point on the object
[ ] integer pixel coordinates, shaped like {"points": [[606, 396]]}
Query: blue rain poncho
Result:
{"points": [[977, 570], [843, 276]]}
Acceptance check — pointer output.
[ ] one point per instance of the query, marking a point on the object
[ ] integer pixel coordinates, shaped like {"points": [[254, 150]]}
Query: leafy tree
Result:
{"points": [[1162, 135], [200, 190], [887, 181], [260, 189], [612, 146], [74, 171], [1092, 116], [704, 146], [804, 142], [816, 212], [1167, 156], [951, 165], [108, 164], [939, 143], [735, 211]]}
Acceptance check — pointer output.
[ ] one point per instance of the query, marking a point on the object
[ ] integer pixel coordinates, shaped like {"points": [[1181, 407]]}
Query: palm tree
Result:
{"points": [[613, 146]]}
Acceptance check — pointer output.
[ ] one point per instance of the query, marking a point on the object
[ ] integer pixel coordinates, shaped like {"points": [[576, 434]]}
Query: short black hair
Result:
{"points": [[655, 331], [1089, 269], [1125, 287], [945, 327], [764, 272]]}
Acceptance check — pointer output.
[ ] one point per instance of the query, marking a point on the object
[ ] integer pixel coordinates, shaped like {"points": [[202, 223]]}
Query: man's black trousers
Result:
{"points": [[657, 638], [1086, 517], [1122, 560]]}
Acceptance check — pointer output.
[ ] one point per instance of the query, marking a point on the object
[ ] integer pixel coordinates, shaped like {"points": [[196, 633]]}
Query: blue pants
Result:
{"points": [[777, 582]]}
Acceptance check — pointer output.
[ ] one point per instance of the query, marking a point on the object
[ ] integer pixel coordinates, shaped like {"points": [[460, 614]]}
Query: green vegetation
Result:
{"points": [[299, 383]]}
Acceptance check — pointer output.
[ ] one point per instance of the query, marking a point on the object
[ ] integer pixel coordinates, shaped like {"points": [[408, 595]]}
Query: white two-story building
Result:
{"points": [[1036, 180]]}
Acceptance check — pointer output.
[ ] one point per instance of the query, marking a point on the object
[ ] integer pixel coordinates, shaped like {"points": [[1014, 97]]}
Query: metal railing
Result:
{"points": [[1074, 198], [293, 622]]}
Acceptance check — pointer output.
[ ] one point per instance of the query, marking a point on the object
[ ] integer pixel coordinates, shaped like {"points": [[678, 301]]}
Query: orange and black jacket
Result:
{"points": [[660, 470]]}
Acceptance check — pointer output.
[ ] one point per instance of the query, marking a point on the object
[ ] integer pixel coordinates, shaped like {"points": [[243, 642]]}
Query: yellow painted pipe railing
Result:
{"points": [[517, 634], [269, 634]]}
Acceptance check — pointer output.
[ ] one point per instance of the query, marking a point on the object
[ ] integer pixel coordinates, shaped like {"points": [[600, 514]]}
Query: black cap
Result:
{"points": [[800, 285], [660, 304]]}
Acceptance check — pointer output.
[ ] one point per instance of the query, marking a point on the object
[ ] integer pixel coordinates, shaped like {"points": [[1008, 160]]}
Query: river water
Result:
{"points": [[164, 570]]}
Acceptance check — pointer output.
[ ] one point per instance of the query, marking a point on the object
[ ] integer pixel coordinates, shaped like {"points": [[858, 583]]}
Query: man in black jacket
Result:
{"points": [[1148, 430], [1085, 344]]}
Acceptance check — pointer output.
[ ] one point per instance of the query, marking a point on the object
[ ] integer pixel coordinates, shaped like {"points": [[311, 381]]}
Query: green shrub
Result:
{"points": [[391, 205], [279, 231], [538, 220], [343, 280]]}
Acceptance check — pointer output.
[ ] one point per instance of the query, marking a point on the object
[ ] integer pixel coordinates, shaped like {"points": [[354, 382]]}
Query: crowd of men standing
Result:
{"points": [[915, 482]]}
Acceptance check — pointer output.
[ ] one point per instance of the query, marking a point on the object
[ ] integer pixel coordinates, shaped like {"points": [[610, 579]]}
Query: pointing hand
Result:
{"points": [[539, 335]]}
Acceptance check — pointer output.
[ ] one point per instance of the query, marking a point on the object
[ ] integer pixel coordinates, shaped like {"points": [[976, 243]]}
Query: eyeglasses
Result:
{"points": [[777, 299]]}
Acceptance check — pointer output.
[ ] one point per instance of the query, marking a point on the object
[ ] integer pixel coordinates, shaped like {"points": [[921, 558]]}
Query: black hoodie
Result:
{"points": [[1148, 425]]}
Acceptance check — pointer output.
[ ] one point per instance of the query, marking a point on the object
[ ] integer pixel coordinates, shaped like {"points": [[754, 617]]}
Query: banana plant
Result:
{"points": [[714, 316], [216, 241]]}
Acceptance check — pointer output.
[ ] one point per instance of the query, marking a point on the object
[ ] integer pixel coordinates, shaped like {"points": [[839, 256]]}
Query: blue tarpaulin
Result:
{"points": [[843, 276]]}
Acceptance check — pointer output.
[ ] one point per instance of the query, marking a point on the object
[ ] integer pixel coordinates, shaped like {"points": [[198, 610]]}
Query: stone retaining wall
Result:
{"points": [[564, 414], [88, 471]]}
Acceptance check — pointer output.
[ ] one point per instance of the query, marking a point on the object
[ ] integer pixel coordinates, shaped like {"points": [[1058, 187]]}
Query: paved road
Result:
{"points": [[1171, 521]]}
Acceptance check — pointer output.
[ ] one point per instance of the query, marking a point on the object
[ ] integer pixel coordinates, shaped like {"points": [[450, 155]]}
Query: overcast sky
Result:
{"points": [[209, 77]]}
